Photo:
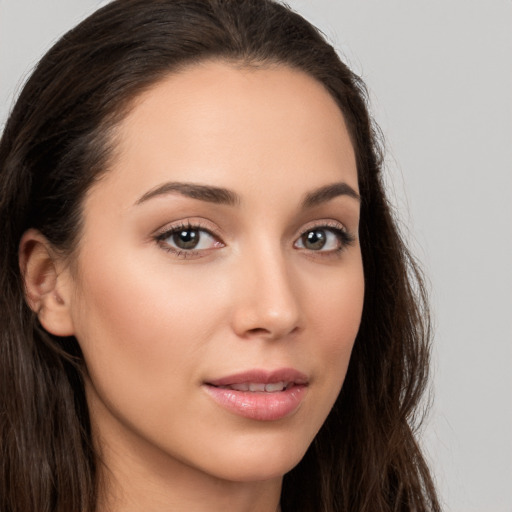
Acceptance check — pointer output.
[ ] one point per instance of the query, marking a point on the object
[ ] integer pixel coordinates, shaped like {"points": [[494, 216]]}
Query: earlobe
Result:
{"points": [[46, 290]]}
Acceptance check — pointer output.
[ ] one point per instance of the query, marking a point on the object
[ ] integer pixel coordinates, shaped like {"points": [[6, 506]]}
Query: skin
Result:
{"points": [[155, 324]]}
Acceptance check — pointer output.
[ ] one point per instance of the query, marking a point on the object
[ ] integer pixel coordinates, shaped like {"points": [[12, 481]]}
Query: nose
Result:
{"points": [[267, 299]]}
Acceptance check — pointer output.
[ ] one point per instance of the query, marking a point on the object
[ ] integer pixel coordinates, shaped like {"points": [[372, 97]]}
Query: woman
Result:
{"points": [[196, 243]]}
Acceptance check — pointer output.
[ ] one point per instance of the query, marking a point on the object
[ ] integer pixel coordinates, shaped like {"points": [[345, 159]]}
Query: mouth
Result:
{"points": [[259, 387], [261, 380], [260, 395]]}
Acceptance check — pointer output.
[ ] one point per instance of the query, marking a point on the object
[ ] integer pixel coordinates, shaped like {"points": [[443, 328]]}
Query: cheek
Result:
{"points": [[336, 308], [336, 316], [137, 299], [143, 342], [138, 325]]}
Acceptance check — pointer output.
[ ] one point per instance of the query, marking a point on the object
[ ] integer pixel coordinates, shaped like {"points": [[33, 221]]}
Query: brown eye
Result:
{"points": [[314, 240], [186, 238]]}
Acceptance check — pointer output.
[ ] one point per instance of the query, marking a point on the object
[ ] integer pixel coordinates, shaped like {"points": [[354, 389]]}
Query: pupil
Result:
{"points": [[315, 239], [186, 239]]}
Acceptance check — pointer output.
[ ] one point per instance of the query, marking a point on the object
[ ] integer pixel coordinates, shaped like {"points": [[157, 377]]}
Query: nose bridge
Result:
{"points": [[267, 298]]}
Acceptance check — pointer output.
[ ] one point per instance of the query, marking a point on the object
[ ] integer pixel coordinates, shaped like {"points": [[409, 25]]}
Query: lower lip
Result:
{"points": [[261, 406]]}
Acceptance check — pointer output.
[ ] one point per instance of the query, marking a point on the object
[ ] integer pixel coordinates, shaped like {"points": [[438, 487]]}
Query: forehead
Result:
{"points": [[232, 126]]}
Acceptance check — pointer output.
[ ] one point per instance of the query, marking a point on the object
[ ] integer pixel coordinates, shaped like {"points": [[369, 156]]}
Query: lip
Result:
{"points": [[262, 376], [260, 405]]}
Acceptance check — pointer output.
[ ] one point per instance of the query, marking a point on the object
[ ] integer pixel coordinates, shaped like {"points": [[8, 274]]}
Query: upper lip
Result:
{"points": [[261, 377]]}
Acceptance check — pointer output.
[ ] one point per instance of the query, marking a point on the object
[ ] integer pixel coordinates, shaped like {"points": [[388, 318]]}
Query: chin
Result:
{"points": [[258, 462]]}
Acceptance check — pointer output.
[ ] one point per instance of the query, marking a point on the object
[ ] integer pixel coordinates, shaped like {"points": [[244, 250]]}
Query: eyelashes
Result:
{"points": [[194, 240]]}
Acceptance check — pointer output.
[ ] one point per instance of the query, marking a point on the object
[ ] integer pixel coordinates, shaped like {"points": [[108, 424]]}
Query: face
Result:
{"points": [[218, 285]]}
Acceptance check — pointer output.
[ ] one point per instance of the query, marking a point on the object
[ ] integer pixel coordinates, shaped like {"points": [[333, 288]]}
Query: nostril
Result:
{"points": [[258, 331], [269, 333]]}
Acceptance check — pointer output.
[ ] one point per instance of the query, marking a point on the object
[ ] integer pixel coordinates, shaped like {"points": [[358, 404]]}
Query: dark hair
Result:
{"points": [[56, 143]]}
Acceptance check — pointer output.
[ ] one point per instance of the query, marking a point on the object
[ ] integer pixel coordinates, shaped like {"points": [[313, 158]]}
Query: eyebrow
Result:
{"points": [[324, 194], [207, 193], [219, 195]]}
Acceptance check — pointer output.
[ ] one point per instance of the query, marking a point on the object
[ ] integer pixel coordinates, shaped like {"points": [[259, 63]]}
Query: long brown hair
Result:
{"points": [[58, 140]]}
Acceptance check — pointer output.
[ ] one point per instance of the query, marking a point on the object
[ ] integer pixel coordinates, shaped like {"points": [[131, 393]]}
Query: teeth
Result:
{"points": [[245, 386], [258, 387], [276, 386]]}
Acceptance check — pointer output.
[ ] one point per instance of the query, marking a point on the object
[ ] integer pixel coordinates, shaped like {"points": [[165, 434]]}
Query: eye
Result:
{"points": [[324, 239], [185, 240]]}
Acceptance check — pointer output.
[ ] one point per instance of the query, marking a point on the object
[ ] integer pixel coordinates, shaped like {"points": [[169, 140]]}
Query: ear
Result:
{"points": [[47, 285]]}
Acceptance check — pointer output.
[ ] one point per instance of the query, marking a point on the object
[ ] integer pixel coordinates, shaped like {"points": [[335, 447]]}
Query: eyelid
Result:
{"points": [[322, 223], [187, 223]]}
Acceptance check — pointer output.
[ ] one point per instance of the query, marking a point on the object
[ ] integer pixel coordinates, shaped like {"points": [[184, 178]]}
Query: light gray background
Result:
{"points": [[440, 77]]}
